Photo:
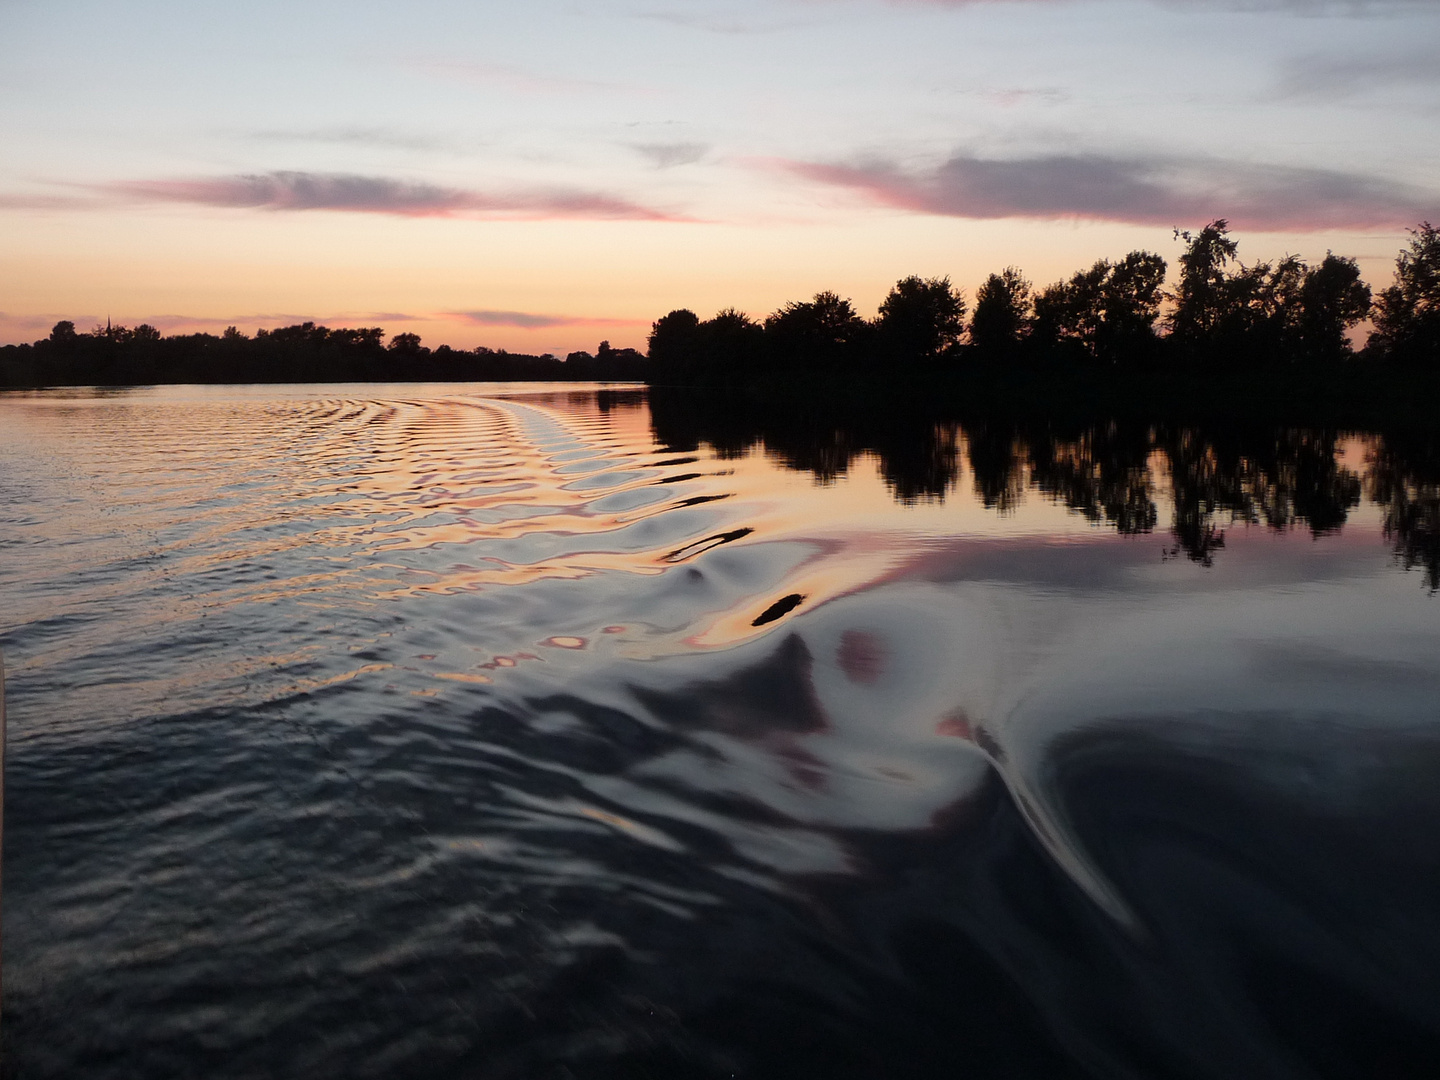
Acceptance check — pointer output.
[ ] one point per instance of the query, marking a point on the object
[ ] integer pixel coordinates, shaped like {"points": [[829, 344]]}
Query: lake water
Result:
{"points": [[476, 731]]}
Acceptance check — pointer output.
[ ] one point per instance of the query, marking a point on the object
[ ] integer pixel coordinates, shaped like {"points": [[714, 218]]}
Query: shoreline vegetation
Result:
{"points": [[1240, 386], [305, 353], [1229, 336]]}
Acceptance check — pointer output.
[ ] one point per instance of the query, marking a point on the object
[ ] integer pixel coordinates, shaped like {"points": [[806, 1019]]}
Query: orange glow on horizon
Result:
{"points": [[574, 283]]}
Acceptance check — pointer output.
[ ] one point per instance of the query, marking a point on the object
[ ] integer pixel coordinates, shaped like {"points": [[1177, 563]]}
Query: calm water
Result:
{"points": [[462, 732]]}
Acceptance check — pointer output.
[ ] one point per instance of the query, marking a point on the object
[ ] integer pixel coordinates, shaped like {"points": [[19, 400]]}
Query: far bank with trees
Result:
{"points": [[1223, 317], [1287, 321]]}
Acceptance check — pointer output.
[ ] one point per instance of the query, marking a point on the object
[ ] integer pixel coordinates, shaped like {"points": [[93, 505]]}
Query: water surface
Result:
{"points": [[516, 731]]}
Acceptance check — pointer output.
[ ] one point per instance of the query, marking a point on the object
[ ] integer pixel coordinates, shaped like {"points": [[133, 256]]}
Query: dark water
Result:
{"points": [[409, 731]]}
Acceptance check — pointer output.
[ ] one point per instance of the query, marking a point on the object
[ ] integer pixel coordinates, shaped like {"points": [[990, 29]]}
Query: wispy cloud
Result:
{"points": [[1009, 98], [1333, 77], [670, 154], [1141, 190], [25, 201], [723, 24], [519, 79], [297, 191], [527, 320], [385, 138]]}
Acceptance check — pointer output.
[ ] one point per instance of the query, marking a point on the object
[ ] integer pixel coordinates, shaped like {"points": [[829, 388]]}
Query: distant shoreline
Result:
{"points": [[1229, 335], [1354, 395]]}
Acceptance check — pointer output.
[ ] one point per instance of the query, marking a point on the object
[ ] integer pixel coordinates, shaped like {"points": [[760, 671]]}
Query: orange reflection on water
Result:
{"points": [[327, 500]]}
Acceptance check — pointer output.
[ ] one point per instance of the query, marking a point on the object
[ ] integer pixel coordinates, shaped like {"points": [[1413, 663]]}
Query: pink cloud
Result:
{"points": [[45, 202], [1137, 190], [291, 190]]}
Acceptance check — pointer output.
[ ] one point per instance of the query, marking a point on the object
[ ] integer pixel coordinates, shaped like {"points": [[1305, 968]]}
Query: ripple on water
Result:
{"points": [[392, 731]]}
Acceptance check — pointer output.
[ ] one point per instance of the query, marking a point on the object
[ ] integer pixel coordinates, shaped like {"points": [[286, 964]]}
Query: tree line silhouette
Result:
{"points": [[1113, 470], [132, 356], [1223, 315]]}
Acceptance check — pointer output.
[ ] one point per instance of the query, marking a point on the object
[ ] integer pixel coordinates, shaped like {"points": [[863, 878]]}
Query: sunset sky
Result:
{"points": [[541, 175]]}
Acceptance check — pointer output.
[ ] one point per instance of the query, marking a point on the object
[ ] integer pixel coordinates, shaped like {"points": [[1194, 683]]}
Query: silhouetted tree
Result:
{"points": [[1407, 314], [1201, 296], [921, 318], [610, 363], [673, 345], [725, 350], [1266, 313], [367, 337], [732, 346], [1259, 312], [815, 334], [1068, 313], [407, 345], [1332, 300], [1105, 313], [1002, 313], [1131, 295]]}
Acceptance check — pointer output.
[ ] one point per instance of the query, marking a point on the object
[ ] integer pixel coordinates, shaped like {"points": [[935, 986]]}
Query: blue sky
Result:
{"points": [[539, 176]]}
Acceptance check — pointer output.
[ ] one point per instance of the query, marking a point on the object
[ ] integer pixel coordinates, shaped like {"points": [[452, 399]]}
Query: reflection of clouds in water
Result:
{"points": [[884, 708], [812, 751], [861, 655], [447, 691]]}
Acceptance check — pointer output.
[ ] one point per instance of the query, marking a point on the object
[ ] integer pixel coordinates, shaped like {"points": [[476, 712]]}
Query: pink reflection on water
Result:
{"points": [[861, 655]]}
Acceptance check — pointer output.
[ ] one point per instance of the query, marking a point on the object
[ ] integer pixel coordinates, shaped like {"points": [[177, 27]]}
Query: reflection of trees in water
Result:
{"points": [[1309, 484], [1111, 472], [1201, 489], [997, 457], [923, 468], [918, 456], [1404, 479], [1280, 479], [1101, 472]]}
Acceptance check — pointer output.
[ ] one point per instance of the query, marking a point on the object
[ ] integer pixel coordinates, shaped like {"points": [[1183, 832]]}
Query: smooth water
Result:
{"points": [[474, 731]]}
